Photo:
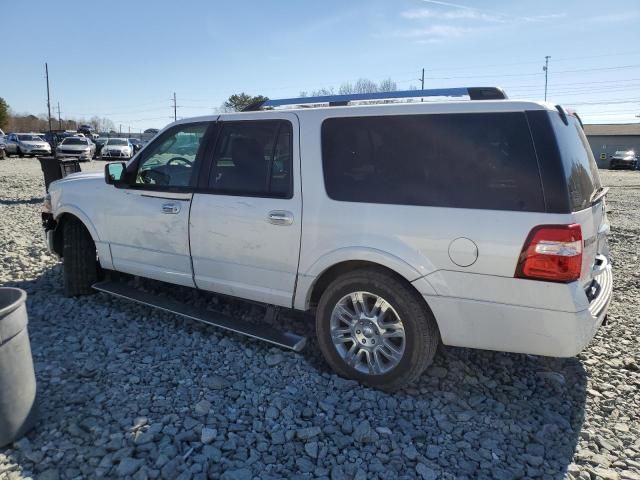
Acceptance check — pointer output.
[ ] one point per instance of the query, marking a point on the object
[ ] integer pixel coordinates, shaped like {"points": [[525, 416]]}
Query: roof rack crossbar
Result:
{"points": [[474, 93]]}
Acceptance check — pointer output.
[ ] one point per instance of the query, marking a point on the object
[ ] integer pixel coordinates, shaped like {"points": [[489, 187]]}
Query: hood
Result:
{"points": [[115, 147], [32, 144], [79, 177]]}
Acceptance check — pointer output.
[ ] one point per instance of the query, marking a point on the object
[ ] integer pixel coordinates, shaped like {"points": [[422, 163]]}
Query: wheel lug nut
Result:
{"points": [[364, 341], [358, 332], [373, 341]]}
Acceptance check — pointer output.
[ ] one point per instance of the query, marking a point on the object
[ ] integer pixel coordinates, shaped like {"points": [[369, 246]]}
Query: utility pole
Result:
{"points": [[120, 129], [422, 83], [59, 118], [46, 69], [546, 75], [129, 131], [175, 108]]}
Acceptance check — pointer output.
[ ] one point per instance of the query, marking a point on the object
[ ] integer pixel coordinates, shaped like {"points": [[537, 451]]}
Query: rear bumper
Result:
{"points": [[512, 328]]}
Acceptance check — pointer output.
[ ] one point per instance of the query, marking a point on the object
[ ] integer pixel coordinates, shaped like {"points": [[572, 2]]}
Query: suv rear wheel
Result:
{"points": [[80, 259], [373, 328]]}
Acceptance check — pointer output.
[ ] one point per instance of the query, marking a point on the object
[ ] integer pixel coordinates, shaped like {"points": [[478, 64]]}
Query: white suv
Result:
{"points": [[472, 223]]}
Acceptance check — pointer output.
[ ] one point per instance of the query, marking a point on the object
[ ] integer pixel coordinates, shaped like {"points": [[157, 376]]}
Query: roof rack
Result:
{"points": [[474, 93]]}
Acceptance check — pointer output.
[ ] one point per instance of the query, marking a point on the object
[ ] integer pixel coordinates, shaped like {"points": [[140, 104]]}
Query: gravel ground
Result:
{"points": [[126, 391]]}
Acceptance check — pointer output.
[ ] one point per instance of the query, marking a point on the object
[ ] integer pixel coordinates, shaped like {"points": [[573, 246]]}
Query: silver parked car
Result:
{"points": [[22, 144], [116, 148], [79, 147]]}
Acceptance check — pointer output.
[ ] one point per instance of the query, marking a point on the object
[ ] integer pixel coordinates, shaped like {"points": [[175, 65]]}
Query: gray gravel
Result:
{"points": [[126, 391]]}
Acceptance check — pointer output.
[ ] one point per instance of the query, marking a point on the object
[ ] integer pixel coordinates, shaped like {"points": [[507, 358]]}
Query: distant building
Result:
{"points": [[605, 139]]}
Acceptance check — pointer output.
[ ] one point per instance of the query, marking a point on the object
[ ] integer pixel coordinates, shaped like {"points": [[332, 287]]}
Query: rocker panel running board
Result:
{"points": [[261, 332]]}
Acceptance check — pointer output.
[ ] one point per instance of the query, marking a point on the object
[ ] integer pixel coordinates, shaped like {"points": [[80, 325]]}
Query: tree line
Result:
{"points": [[10, 121], [239, 101], [26, 122]]}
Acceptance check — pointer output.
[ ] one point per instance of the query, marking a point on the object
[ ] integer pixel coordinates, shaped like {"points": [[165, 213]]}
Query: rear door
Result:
{"points": [[584, 189], [246, 217]]}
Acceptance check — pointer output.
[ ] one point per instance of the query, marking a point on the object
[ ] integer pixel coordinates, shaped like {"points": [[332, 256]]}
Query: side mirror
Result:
{"points": [[113, 173]]}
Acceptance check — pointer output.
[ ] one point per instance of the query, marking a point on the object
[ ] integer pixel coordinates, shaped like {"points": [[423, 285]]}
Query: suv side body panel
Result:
{"points": [[480, 305]]}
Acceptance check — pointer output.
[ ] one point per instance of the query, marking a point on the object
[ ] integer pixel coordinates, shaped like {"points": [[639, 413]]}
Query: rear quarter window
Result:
{"points": [[481, 161], [580, 168]]}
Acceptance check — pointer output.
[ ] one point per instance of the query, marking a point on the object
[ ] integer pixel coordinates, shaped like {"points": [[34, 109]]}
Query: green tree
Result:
{"points": [[239, 101], [4, 114]]}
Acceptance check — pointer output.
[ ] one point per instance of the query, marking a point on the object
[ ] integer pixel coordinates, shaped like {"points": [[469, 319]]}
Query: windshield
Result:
{"points": [[624, 153], [29, 138], [580, 168], [116, 141], [74, 141]]}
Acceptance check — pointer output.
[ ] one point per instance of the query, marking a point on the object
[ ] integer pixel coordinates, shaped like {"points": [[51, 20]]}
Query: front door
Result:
{"points": [[147, 221], [246, 217]]}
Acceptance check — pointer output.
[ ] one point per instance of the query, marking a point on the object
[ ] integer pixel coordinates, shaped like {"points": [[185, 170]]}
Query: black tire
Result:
{"points": [[19, 152], [421, 331], [80, 260]]}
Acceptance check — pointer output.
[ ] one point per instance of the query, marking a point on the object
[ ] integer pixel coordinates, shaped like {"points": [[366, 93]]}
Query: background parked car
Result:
{"points": [[137, 144], [2, 145], [55, 137], [623, 159], [87, 130], [77, 147], [22, 144], [116, 148], [100, 141]]}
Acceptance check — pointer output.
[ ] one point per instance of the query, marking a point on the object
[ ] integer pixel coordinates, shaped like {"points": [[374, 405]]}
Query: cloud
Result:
{"points": [[455, 11], [450, 15], [436, 33]]}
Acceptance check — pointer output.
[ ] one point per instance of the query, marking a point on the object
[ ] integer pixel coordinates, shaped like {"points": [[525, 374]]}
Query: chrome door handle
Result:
{"points": [[170, 208], [280, 217]]}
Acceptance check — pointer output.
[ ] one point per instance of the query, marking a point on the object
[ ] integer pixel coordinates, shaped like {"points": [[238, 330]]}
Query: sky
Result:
{"points": [[124, 59]]}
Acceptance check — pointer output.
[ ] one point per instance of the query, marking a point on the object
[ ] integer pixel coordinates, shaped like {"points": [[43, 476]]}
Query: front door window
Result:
{"points": [[170, 161]]}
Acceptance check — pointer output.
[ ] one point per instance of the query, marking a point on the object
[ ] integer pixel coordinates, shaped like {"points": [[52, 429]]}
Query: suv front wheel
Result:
{"points": [[374, 328], [81, 267]]}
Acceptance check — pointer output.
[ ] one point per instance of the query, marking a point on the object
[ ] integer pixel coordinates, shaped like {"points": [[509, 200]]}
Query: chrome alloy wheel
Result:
{"points": [[367, 333]]}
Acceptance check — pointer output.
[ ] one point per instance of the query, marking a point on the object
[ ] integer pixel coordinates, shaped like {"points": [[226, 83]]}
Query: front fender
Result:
{"points": [[81, 215], [102, 248]]}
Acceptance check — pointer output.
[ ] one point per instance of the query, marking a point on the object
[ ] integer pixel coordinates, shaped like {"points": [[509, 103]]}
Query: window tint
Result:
{"points": [[253, 158], [446, 160], [169, 162], [580, 168]]}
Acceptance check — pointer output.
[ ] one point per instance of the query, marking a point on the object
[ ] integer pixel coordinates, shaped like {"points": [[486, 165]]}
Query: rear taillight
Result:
{"points": [[552, 253]]}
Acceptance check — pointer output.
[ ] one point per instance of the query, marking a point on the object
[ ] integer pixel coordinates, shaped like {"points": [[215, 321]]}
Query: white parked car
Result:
{"points": [[30, 144], [473, 223], [116, 148], [77, 147]]}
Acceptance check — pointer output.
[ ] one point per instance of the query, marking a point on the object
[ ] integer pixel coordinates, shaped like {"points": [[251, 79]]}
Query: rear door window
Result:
{"points": [[253, 158], [481, 161], [580, 168]]}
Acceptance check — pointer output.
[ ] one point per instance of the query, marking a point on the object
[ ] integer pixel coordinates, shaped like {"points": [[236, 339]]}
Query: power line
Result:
{"points": [[611, 102]]}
